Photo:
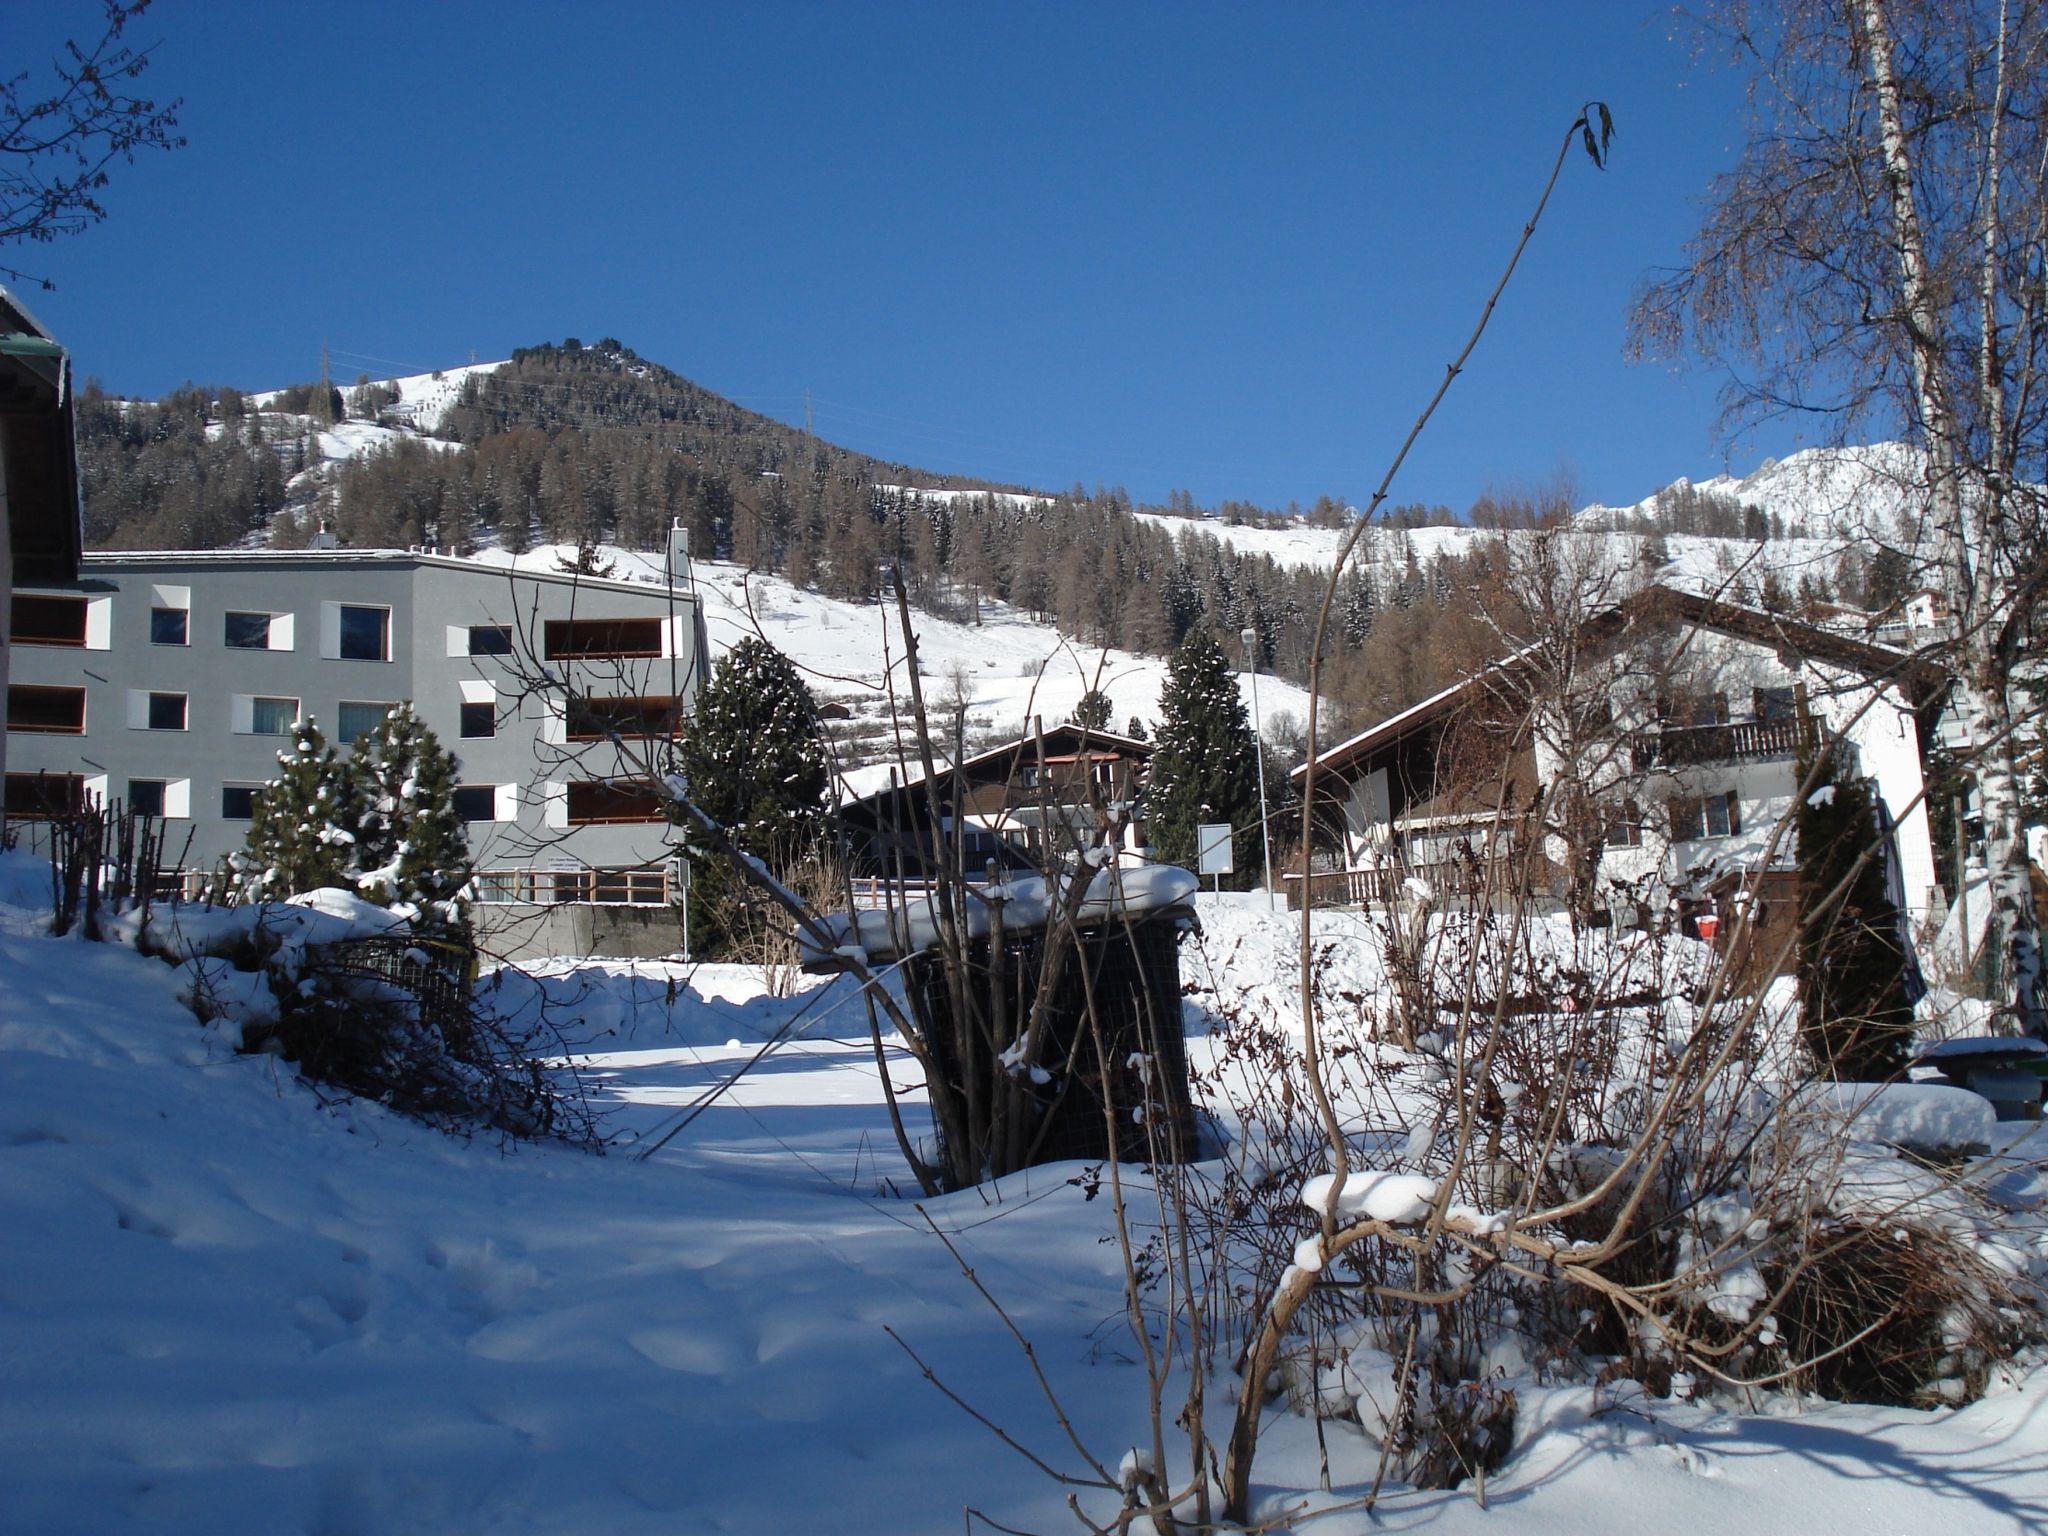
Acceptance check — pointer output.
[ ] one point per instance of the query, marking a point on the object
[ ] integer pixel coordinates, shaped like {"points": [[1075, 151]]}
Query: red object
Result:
{"points": [[1708, 925]]}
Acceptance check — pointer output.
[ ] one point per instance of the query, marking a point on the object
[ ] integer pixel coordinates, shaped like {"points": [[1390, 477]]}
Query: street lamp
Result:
{"points": [[1250, 637]]}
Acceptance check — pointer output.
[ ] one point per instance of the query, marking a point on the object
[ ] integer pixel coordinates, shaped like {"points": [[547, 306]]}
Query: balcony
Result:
{"points": [[602, 887], [1738, 741], [1458, 880]]}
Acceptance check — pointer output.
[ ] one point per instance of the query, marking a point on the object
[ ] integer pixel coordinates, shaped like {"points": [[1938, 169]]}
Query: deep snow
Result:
{"points": [[232, 1305]]}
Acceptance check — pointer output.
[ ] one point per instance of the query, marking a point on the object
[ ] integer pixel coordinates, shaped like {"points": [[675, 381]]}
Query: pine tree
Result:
{"points": [[1093, 710], [410, 848], [302, 830], [754, 759], [1853, 1015], [1204, 768]]}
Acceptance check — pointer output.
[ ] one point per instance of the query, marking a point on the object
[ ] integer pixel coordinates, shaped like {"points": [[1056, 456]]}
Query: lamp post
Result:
{"points": [[1250, 637]]}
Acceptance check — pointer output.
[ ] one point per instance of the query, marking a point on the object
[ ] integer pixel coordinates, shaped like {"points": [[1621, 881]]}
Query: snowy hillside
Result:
{"points": [[1821, 493], [424, 399], [1014, 669], [1825, 499]]}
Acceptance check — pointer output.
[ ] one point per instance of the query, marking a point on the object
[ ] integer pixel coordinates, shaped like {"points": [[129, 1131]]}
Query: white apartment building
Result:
{"points": [[170, 680]]}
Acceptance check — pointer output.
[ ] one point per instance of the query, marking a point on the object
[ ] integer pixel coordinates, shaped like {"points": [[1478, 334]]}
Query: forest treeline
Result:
{"points": [[576, 444]]}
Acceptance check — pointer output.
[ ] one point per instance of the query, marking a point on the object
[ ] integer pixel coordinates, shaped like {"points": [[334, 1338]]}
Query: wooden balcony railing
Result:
{"points": [[1455, 879], [1735, 742], [550, 887]]}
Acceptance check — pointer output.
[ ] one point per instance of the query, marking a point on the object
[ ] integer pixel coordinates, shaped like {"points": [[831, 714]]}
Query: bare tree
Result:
{"points": [[60, 134], [1874, 260]]}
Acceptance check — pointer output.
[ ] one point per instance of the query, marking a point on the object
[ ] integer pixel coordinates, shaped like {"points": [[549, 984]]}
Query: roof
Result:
{"points": [[1074, 739], [38, 443], [1656, 604], [245, 558]]}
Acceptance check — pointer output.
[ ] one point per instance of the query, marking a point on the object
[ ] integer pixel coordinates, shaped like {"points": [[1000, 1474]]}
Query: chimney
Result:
{"points": [[325, 538], [679, 573]]}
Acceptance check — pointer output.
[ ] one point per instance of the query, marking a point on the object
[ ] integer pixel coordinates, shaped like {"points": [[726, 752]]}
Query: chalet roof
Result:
{"points": [[1063, 743], [1657, 605]]}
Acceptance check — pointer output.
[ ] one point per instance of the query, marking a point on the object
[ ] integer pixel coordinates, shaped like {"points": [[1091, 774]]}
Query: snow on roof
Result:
{"points": [[1127, 888]]}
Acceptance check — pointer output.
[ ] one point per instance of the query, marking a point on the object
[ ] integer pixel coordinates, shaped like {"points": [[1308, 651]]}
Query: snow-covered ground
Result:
{"points": [[233, 1305]]}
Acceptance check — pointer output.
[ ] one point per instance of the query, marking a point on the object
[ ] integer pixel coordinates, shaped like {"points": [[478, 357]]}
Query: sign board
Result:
{"points": [[1212, 849], [678, 872]]}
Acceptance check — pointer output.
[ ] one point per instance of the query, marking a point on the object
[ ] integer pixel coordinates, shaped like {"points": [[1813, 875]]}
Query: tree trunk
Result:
{"points": [[1967, 527]]}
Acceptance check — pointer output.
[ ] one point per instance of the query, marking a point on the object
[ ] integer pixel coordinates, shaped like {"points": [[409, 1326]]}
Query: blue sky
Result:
{"points": [[1222, 247]]}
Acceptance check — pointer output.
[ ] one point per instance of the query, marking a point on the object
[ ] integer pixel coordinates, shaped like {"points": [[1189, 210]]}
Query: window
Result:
{"points": [[248, 632], [354, 720], [597, 804], [1776, 703], [479, 720], [171, 626], [1626, 830], [47, 621], [607, 638], [54, 711], [365, 633], [477, 802], [146, 797], [1716, 815], [41, 796], [166, 712], [1693, 709], [490, 639], [272, 717], [596, 719], [238, 802]]}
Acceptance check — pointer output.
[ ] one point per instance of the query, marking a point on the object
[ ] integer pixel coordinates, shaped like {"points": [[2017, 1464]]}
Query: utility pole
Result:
{"points": [[807, 415], [1250, 637]]}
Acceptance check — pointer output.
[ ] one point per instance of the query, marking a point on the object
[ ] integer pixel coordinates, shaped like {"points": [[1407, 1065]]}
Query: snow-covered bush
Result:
{"points": [[360, 1001], [1570, 1154]]}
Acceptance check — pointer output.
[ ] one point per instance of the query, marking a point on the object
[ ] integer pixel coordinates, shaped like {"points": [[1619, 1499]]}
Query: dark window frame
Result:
{"points": [[44, 709], [42, 796], [1693, 817], [499, 643], [652, 717], [610, 639], [28, 622], [184, 702], [158, 627], [474, 713], [598, 803], [351, 647], [468, 797], [230, 630]]}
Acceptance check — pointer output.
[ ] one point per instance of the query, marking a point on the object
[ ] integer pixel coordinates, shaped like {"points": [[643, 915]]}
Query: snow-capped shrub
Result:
{"points": [[1570, 1155], [348, 991]]}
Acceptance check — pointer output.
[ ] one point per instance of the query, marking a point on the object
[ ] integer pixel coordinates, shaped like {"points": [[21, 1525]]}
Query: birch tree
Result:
{"points": [[1875, 261]]}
